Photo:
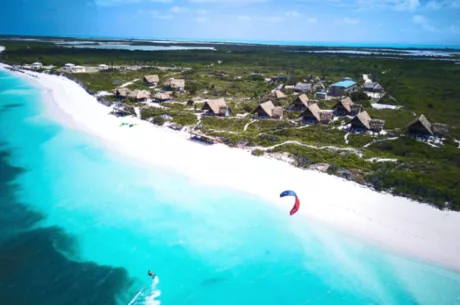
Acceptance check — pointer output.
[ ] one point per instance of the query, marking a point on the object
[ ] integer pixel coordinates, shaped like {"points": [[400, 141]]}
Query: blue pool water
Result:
{"points": [[82, 225]]}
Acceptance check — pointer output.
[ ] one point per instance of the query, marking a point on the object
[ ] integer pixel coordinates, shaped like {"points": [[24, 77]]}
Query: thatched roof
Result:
{"points": [[277, 94], [364, 118], [266, 107], [215, 105], [123, 92], [423, 121], [313, 110], [151, 78], [175, 83], [140, 94], [303, 99], [345, 103], [162, 96]]}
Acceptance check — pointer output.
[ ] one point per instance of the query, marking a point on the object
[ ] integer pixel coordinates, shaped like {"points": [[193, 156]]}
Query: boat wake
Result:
{"points": [[148, 296]]}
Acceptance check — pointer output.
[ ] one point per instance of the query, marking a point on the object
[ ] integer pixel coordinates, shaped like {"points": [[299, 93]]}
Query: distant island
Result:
{"points": [[385, 118]]}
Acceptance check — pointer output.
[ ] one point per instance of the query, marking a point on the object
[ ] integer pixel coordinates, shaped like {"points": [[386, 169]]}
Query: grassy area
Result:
{"points": [[421, 86]]}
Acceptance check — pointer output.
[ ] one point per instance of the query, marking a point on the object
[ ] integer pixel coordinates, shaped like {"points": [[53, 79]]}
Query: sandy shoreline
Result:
{"points": [[398, 224]]}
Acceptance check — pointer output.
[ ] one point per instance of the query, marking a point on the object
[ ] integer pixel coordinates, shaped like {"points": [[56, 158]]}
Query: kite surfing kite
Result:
{"points": [[296, 206]]}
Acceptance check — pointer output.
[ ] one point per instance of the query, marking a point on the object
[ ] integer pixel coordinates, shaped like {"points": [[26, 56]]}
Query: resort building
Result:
{"points": [[277, 94], [216, 107], [68, 66], [313, 114], [421, 126], [268, 111], [346, 85], [346, 107], [301, 87], [151, 80], [103, 67], [178, 84], [363, 121], [36, 66]]}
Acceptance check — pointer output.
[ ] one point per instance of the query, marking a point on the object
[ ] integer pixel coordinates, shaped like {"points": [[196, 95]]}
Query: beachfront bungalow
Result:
{"points": [[346, 85], [36, 66], [216, 107], [122, 93], [151, 80], [140, 95], [268, 111], [372, 87], [162, 97], [78, 69], [313, 114], [277, 94], [300, 103], [178, 84], [346, 107], [68, 66], [103, 67], [302, 87]]}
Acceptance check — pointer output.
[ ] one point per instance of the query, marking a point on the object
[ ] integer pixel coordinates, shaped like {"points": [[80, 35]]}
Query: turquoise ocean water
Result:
{"points": [[82, 225]]}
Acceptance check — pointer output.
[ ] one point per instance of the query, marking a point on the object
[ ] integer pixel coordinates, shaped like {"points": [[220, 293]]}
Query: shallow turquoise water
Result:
{"points": [[116, 219]]}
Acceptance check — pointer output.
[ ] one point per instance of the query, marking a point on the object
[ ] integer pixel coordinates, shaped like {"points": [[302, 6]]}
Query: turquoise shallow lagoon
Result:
{"points": [[82, 224]]}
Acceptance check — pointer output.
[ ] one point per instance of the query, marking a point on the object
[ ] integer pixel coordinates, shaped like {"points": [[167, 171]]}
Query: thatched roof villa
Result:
{"points": [[364, 121], [151, 80], [302, 87], [313, 114], [268, 110], [347, 107], [122, 92], [162, 97], [216, 107], [140, 95], [421, 125], [178, 84], [300, 103]]}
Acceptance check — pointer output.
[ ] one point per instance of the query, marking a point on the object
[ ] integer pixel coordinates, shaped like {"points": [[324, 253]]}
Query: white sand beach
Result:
{"points": [[398, 224]]}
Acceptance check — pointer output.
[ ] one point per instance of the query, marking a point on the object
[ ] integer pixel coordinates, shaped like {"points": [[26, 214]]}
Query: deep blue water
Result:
{"points": [[82, 225]]}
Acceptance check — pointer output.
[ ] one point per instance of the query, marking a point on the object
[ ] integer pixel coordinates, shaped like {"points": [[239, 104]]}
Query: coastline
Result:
{"points": [[396, 223]]}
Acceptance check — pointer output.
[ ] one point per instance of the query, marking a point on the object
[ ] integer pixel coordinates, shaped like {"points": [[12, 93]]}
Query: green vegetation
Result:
{"points": [[420, 86]]}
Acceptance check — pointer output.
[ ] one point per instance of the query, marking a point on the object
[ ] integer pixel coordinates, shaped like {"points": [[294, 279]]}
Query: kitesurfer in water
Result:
{"points": [[153, 275]]}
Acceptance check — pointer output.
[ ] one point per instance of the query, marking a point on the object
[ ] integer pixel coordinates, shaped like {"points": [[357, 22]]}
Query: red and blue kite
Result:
{"points": [[296, 206]]}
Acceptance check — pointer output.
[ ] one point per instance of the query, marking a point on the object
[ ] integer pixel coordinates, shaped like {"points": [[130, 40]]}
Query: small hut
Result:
{"points": [[314, 114], [162, 97], [420, 126], [140, 95], [440, 129], [376, 125], [216, 107], [347, 107], [178, 84], [36, 66], [103, 67], [277, 94], [122, 92], [268, 110], [151, 80]]}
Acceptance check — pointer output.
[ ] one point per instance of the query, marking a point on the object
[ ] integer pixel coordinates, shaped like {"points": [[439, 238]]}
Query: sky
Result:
{"points": [[350, 21]]}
